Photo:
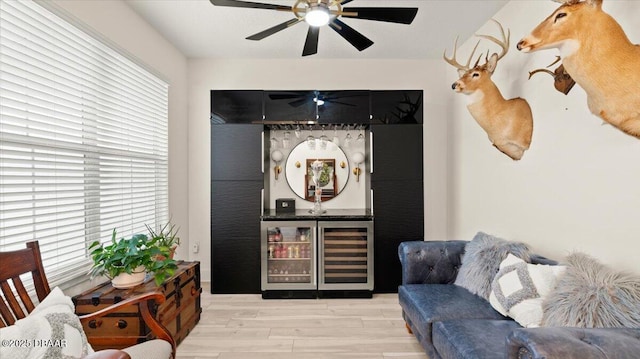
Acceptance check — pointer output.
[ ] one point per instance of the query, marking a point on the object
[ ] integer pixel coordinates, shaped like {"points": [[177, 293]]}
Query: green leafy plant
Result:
{"points": [[127, 254], [166, 236]]}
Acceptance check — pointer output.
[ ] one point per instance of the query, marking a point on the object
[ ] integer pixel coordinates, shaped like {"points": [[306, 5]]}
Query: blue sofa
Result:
{"points": [[451, 322]]}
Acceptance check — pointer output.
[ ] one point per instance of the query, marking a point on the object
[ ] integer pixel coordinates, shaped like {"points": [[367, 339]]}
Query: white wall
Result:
{"points": [[353, 194], [577, 188], [120, 25], [208, 74]]}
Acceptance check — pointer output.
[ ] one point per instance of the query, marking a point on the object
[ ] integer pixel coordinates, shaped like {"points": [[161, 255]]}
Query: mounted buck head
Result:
{"points": [[474, 78], [599, 57], [562, 81], [508, 123]]}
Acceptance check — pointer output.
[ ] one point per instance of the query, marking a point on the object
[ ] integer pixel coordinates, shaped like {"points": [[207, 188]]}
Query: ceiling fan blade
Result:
{"points": [[300, 102], [339, 103], [311, 44], [401, 15], [345, 2], [284, 96], [254, 5], [272, 30], [355, 38]]}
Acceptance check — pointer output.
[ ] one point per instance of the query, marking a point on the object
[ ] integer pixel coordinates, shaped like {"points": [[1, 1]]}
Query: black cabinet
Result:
{"points": [[396, 107], [235, 265], [236, 184], [340, 107], [398, 204], [325, 107], [234, 205], [288, 106], [397, 152], [237, 106], [236, 152]]}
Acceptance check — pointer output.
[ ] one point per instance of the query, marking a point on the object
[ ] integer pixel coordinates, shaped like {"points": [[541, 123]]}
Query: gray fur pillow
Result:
{"points": [[481, 262], [592, 295]]}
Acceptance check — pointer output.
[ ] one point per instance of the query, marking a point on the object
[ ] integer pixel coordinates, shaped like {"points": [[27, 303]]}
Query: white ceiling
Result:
{"points": [[201, 30]]}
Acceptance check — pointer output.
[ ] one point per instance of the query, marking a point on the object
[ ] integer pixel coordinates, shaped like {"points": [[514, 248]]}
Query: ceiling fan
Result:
{"points": [[318, 13], [299, 98]]}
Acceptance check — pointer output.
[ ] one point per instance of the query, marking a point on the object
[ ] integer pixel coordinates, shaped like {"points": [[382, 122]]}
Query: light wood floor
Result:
{"points": [[248, 327]]}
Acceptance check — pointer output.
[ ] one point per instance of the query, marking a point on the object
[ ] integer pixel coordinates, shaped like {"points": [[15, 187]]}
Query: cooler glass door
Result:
{"points": [[288, 255]]}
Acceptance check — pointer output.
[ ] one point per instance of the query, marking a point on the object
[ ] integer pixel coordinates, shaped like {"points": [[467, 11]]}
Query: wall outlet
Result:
{"points": [[195, 248]]}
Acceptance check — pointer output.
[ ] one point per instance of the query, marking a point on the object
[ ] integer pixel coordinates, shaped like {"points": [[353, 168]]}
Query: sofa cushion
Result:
{"points": [[482, 259], [592, 295], [428, 303], [519, 289], [472, 339]]}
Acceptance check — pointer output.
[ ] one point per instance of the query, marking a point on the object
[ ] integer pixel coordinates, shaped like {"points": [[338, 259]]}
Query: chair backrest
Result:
{"points": [[12, 264]]}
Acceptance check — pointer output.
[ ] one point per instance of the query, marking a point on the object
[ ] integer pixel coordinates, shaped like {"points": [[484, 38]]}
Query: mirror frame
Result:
{"points": [[297, 176]]}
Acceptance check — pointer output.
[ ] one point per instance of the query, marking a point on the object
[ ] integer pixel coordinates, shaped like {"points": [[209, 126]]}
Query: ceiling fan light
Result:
{"points": [[317, 16]]}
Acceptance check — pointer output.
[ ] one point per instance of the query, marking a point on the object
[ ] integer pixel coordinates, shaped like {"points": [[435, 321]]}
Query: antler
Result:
{"points": [[531, 73], [504, 43], [452, 61]]}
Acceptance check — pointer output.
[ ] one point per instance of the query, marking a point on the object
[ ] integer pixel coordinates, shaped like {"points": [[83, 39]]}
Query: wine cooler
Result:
{"points": [[310, 256], [345, 255]]}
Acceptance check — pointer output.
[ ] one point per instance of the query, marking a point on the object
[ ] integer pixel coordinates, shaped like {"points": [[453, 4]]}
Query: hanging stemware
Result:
{"points": [[297, 131], [336, 140], [323, 140], [274, 141], [311, 141], [360, 138], [286, 139], [348, 138]]}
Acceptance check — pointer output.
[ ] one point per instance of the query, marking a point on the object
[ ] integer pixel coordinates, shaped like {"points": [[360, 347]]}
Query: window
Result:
{"points": [[83, 140]]}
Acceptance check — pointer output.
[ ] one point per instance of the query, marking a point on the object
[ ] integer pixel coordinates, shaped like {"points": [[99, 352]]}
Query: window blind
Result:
{"points": [[83, 140]]}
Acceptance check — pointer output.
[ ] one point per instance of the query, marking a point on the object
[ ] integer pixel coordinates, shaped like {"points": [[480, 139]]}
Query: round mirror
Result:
{"points": [[335, 172]]}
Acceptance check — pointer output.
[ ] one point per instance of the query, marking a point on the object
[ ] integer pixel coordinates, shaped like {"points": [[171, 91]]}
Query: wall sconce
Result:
{"points": [[357, 158], [277, 156]]}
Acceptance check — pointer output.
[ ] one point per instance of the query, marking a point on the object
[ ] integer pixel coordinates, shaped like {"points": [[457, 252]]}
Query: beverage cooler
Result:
{"points": [[288, 253], [305, 259]]}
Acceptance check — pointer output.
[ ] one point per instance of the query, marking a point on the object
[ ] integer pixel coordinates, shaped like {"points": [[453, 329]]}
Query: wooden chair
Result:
{"points": [[12, 307]]}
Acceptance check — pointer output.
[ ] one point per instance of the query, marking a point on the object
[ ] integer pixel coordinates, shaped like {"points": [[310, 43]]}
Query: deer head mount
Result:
{"points": [[562, 81], [597, 54], [508, 123]]}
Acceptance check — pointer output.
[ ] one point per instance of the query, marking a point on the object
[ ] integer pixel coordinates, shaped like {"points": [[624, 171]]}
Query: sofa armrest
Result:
{"points": [[430, 262], [574, 343]]}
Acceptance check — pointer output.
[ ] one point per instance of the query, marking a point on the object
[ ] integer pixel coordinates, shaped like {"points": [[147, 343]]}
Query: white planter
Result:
{"points": [[126, 280]]}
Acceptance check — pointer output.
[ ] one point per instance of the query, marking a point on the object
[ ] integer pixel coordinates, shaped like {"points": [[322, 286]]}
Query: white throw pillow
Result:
{"points": [[52, 330], [519, 288]]}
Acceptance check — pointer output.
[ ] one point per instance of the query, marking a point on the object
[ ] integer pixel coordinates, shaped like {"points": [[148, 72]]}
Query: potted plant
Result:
{"points": [[166, 237], [127, 260]]}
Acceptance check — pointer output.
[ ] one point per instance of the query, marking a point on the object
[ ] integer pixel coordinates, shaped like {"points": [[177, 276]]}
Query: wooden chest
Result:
{"points": [[179, 313]]}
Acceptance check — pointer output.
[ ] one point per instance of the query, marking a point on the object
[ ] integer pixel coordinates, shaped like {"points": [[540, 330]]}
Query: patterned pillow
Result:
{"points": [[481, 262], [519, 288], [51, 331]]}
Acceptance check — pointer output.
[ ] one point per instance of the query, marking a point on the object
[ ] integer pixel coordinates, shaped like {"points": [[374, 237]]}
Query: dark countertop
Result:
{"points": [[330, 214]]}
